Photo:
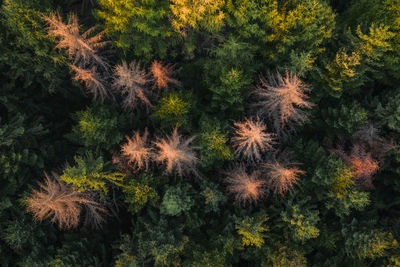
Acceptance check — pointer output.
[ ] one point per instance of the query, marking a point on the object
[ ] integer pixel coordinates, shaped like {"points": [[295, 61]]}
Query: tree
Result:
{"points": [[141, 28], [79, 47], [136, 150], [281, 173], [89, 175], [131, 82], [195, 14], [279, 98], [94, 83], [177, 199], [252, 230], [363, 165], [246, 188], [162, 75], [175, 153], [58, 200], [251, 140]]}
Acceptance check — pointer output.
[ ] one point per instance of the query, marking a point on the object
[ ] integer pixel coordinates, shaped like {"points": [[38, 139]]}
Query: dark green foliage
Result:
{"points": [[177, 199]]}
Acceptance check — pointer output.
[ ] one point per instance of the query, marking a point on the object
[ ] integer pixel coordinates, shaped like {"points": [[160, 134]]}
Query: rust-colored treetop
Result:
{"points": [[251, 140], [130, 80], [176, 154], [79, 46], [246, 188], [162, 75], [281, 177], [137, 151], [92, 81], [58, 200], [280, 98]]}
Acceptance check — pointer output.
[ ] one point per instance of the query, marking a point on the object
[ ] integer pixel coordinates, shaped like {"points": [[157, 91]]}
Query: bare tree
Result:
{"points": [[79, 47], [246, 188], [137, 151], [162, 75], [176, 154], [282, 174], [92, 81], [251, 140], [58, 200], [130, 81], [280, 98]]}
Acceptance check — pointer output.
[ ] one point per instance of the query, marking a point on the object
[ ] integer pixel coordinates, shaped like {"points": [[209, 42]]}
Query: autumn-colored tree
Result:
{"points": [[282, 175], [58, 200], [176, 154], [246, 188], [280, 99], [79, 46], [130, 81], [92, 81], [251, 140], [362, 163], [162, 75], [192, 14], [137, 151]]}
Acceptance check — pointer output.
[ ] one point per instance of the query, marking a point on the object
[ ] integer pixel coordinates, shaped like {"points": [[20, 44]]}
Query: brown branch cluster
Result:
{"points": [[251, 139], [174, 152], [280, 98]]}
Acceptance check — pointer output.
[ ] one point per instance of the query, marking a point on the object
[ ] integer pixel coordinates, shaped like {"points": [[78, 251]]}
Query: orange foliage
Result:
{"points": [[280, 98], [246, 188], [282, 177], [130, 81], [136, 150], [162, 75], [78, 46], [176, 154], [58, 200], [251, 139], [92, 81]]}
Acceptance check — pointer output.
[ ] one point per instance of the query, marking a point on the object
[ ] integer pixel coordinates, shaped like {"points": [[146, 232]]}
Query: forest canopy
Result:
{"points": [[200, 133]]}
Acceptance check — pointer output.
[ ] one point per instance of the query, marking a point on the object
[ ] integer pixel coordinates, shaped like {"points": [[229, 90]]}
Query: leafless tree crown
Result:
{"points": [[130, 80], [137, 151], [176, 154], [251, 140], [246, 188], [280, 99], [162, 75]]}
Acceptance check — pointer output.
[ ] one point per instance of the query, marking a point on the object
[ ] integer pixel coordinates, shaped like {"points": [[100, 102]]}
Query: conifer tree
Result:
{"points": [[137, 151]]}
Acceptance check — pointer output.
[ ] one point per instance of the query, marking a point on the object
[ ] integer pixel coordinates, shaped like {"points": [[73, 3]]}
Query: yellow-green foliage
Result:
{"points": [[89, 175], [376, 40], [284, 256], [197, 13], [343, 181], [303, 225], [374, 245], [138, 194], [252, 230], [217, 142], [172, 110]]}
